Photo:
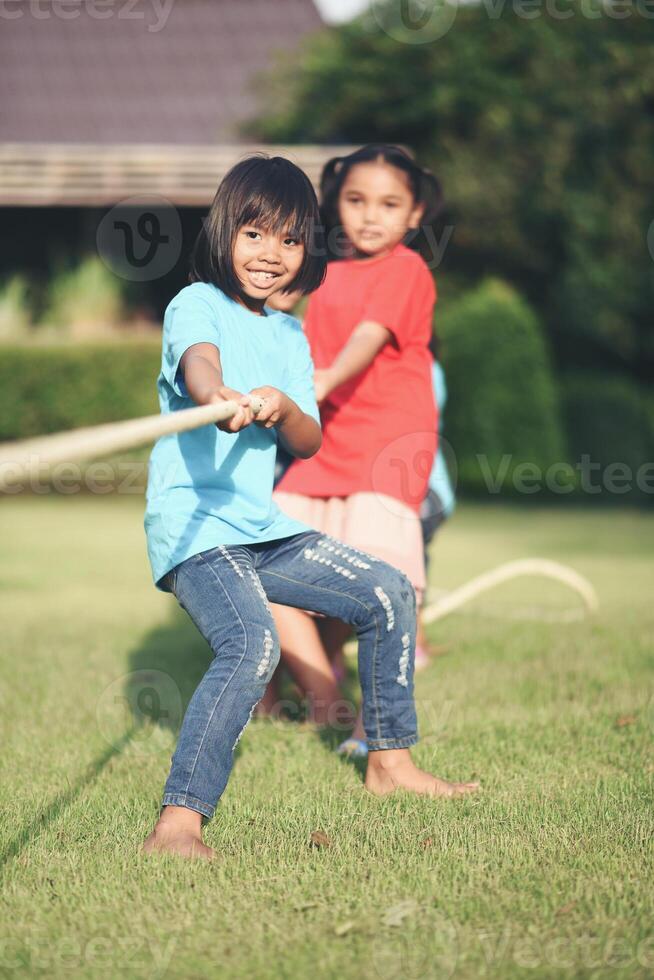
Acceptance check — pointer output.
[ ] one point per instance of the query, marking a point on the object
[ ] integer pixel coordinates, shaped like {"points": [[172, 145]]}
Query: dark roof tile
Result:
{"points": [[134, 77]]}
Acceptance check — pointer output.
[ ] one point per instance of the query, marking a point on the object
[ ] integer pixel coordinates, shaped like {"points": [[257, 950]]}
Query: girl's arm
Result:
{"points": [[298, 432], [364, 344], [203, 377]]}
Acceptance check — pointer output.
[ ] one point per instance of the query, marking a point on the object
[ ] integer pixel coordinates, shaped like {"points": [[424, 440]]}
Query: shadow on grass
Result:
{"points": [[163, 672], [56, 807]]}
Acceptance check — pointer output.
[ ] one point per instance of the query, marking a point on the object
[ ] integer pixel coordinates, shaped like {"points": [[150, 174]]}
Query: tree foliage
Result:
{"points": [[539, 120]]}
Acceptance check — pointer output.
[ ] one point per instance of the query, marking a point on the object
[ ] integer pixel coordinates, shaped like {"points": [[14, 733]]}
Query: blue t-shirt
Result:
{"points": [[439, 479], [207, 487]]}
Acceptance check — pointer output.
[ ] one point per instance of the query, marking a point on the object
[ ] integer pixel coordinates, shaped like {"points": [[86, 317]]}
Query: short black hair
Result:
{"points": [[269, 192]]}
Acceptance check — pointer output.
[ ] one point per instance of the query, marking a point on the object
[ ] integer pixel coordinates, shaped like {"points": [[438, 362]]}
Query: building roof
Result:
{"points": [[139, 71]]}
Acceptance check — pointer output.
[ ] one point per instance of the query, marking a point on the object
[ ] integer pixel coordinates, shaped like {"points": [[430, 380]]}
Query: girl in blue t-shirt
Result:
{"points": [[215, 537]]}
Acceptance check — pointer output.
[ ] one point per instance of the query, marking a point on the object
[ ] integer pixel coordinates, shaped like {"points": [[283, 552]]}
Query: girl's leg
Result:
{"points": [[304, 655], [268, 703], [221, 592], [314, 571], [334, 633]]}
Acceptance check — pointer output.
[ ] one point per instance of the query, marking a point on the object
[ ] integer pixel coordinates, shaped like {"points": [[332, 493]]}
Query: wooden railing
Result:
{"points": [[97, 175]]}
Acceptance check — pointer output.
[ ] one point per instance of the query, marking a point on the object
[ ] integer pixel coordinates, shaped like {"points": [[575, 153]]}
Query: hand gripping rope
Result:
{"points": [[30, 457]]}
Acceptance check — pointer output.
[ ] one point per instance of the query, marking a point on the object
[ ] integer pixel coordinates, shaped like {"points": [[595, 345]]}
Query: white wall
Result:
{"points": [[337, 11]]}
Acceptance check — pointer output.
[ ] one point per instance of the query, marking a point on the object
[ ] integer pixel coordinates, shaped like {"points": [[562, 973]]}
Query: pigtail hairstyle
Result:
{"points": [[425, 187]]}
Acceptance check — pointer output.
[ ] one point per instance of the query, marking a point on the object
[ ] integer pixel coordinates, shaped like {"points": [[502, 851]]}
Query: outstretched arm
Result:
{"points": [[359, 352], [203, 376]]}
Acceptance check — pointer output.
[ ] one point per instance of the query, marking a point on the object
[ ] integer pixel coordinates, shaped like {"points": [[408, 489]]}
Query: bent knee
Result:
{"points": [[395, 596], [265, 653]]}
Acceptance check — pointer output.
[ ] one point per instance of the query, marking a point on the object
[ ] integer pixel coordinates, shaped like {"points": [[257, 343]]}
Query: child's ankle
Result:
{"points": [[388, 758], [181, 817]]}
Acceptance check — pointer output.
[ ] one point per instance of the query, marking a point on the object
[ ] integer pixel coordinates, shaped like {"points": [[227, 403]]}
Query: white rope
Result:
{"points": [[454, 600], [22, 460]]}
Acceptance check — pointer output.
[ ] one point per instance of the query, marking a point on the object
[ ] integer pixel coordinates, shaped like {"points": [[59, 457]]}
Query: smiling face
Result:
{"points": [[376, 207], [265, 262]]}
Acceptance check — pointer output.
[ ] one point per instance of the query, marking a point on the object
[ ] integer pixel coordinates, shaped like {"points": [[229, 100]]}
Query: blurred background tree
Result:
{"points": [[540, 128]]}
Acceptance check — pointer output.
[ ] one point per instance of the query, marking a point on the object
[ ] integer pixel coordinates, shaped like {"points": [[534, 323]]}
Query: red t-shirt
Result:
{"points": [[379, 428]]}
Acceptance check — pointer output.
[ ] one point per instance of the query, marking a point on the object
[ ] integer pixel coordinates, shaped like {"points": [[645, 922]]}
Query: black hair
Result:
{"points": [[269, 192], [424, 186]]}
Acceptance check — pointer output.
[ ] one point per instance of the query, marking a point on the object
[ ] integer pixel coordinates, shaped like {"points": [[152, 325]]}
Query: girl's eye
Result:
{"points": [[291, 241], [391, 204], [253, 235]]}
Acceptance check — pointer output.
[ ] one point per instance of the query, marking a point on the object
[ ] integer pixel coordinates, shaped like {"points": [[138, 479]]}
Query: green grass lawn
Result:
{"points": [[547, 872]]}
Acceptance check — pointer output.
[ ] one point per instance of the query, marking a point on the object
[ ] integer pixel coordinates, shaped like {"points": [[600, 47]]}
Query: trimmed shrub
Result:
{"points": [[15, 311], [609, 419], [86, 300], [503, 408], [47, 388]]}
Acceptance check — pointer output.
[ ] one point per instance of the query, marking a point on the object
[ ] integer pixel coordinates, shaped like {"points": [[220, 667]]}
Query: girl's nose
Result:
{"points": [[270, 250]]}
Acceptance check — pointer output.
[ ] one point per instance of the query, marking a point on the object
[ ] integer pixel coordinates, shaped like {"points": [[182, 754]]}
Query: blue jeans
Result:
{"points": [[226, 591]]}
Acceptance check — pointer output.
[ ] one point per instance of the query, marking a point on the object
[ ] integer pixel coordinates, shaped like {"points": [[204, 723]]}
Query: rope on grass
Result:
{"points": [[28, 458], [454, 600]]}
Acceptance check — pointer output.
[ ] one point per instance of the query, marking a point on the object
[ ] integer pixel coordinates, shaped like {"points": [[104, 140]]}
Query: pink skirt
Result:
{"points": [[383, 526]]}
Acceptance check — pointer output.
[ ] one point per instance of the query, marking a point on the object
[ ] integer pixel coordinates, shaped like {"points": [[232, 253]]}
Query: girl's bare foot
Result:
{"points": [[393, 769], [178, 831]]}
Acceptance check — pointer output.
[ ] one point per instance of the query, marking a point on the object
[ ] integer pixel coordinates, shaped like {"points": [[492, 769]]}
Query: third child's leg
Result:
{"points": [[304, 655], [314, 571], [334, 634]]}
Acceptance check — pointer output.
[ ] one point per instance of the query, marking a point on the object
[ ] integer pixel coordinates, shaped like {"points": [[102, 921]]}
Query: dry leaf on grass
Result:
{"points": [[344, 928], [320, 839], [625, 720]]}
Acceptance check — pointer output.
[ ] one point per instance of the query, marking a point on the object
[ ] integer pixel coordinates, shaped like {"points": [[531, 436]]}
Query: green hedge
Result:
{"points": [[503, 401], [611, 420], [50, 388]]}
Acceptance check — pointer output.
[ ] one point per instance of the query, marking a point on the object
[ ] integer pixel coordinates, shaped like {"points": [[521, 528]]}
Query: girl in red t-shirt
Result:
{"points": [[369, 326]]}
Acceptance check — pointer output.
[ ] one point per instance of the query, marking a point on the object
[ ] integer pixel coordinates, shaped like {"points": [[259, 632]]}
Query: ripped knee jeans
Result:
{"points": [[226, 591]]}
